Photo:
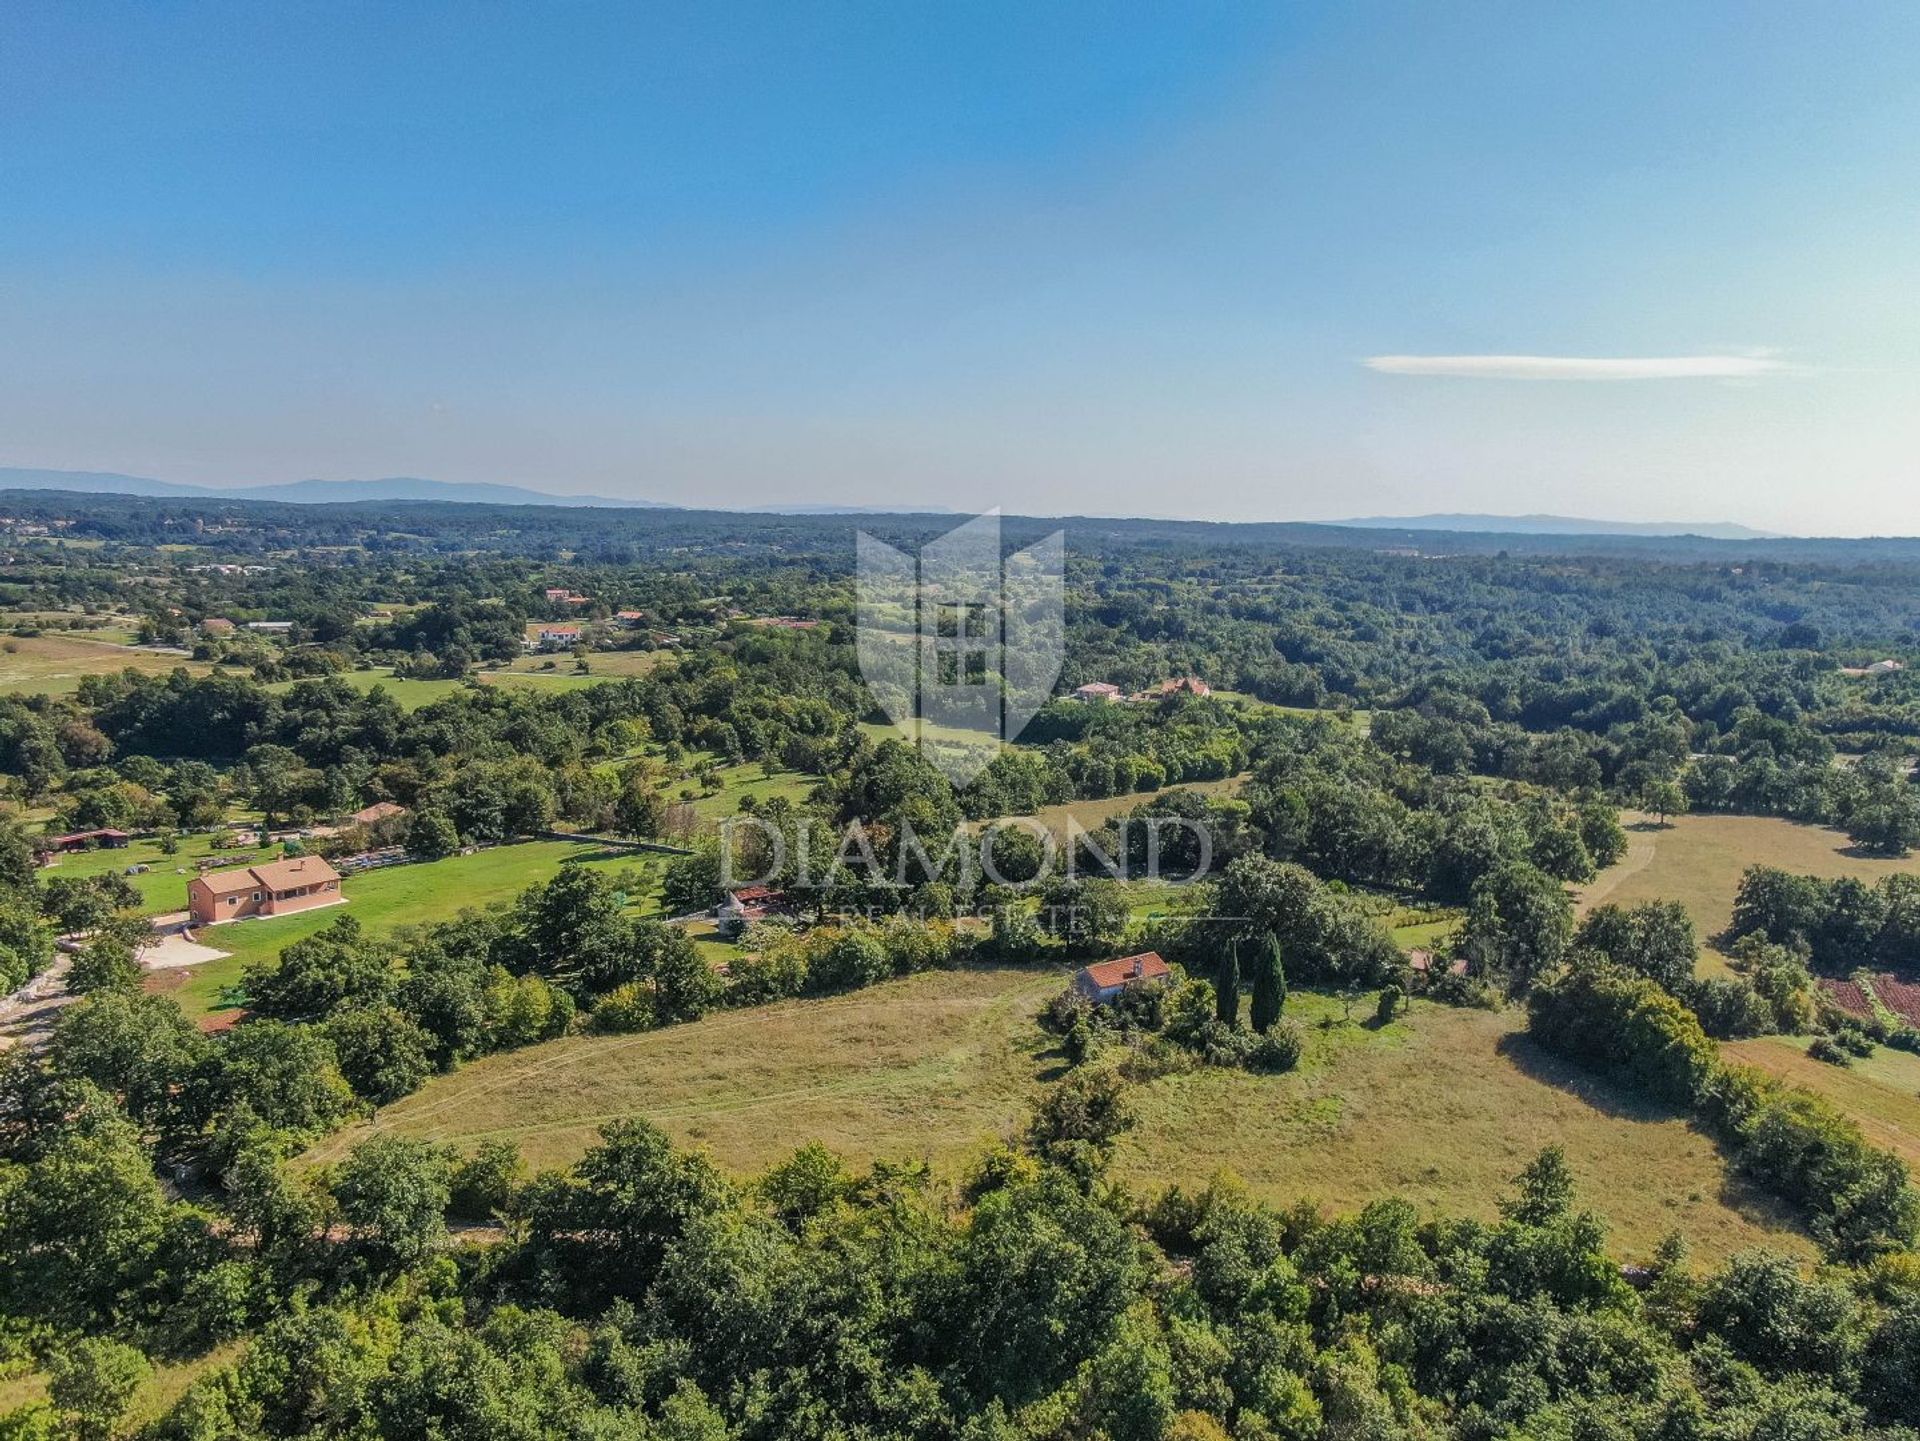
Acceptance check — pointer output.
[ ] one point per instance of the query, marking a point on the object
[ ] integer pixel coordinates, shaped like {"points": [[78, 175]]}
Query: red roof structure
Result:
{"points": [[1421, 962], [1127, 971], [76, 840]]}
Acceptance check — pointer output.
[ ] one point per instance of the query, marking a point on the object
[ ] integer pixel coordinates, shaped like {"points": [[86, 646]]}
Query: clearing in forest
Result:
{"points": [[1698, 861], [1442, 1106]]}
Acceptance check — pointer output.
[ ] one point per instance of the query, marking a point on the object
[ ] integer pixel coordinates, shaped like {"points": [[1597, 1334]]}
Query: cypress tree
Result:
{"points": [[1226, 986], [1269, 987]]}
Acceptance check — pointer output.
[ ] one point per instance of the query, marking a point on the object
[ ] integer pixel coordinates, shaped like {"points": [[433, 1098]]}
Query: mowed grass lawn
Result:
{"points": [[55, 664], [1442, 1107], [936, 1066], [383, 901], [164, 885], [1881, 1092]]}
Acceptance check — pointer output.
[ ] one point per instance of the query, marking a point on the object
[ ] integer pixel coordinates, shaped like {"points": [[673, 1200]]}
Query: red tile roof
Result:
{"points": [[271, 875], [1147, 966]]}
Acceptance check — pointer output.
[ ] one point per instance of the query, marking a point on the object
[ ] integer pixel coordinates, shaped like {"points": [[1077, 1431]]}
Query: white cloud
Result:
{"points": [[1576, 367]]}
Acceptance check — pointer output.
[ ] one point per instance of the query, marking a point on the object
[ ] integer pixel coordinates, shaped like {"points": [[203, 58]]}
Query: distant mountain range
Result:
{"points": [[394, 487], [1558, 525], [305, 492], [406, 487]]}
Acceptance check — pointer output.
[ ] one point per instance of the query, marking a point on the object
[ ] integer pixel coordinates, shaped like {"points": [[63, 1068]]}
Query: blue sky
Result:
{"points": [[1240, 262]]}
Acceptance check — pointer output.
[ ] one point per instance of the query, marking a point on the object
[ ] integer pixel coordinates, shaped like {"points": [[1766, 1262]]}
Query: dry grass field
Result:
{"points": [[152, 1400], [1698, 861], [54, 664], [1442, 1107], [934, 1066], [1881, 1093], [602, 664], [1092, 814]]}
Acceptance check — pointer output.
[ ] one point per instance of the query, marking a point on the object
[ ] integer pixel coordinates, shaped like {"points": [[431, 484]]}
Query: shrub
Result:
{"points": [[1078, 1043], [1854, 1040], [1730, 1008], [1279, 1050], [1825, 1048], [92, 1384], [848, 960], [625, 1009], [1628, 1026], [1066, 1010], [1076, 1122], [772, 974]]}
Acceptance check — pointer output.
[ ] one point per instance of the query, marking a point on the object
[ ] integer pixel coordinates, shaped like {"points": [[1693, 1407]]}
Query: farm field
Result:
{"points": [[1423, 935], [55, 664], [1881, 1092], [1442, 1106], [383, 901], [1698, 861], [935, 1066]]}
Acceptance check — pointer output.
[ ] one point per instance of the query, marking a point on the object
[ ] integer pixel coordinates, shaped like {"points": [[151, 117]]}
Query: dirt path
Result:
{"points": [[27, 1016], [1643, 840]]}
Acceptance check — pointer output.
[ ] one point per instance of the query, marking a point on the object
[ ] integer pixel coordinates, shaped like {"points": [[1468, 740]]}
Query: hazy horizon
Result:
{"points": [[1633, 265]]}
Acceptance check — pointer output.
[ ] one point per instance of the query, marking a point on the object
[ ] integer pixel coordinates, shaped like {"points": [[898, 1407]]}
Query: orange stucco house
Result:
{"points": [[273, 888]]}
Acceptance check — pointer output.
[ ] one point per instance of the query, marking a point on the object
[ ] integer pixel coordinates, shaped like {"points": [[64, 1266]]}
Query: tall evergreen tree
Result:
{"points": [[1226, 986], [1269, 987]]}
